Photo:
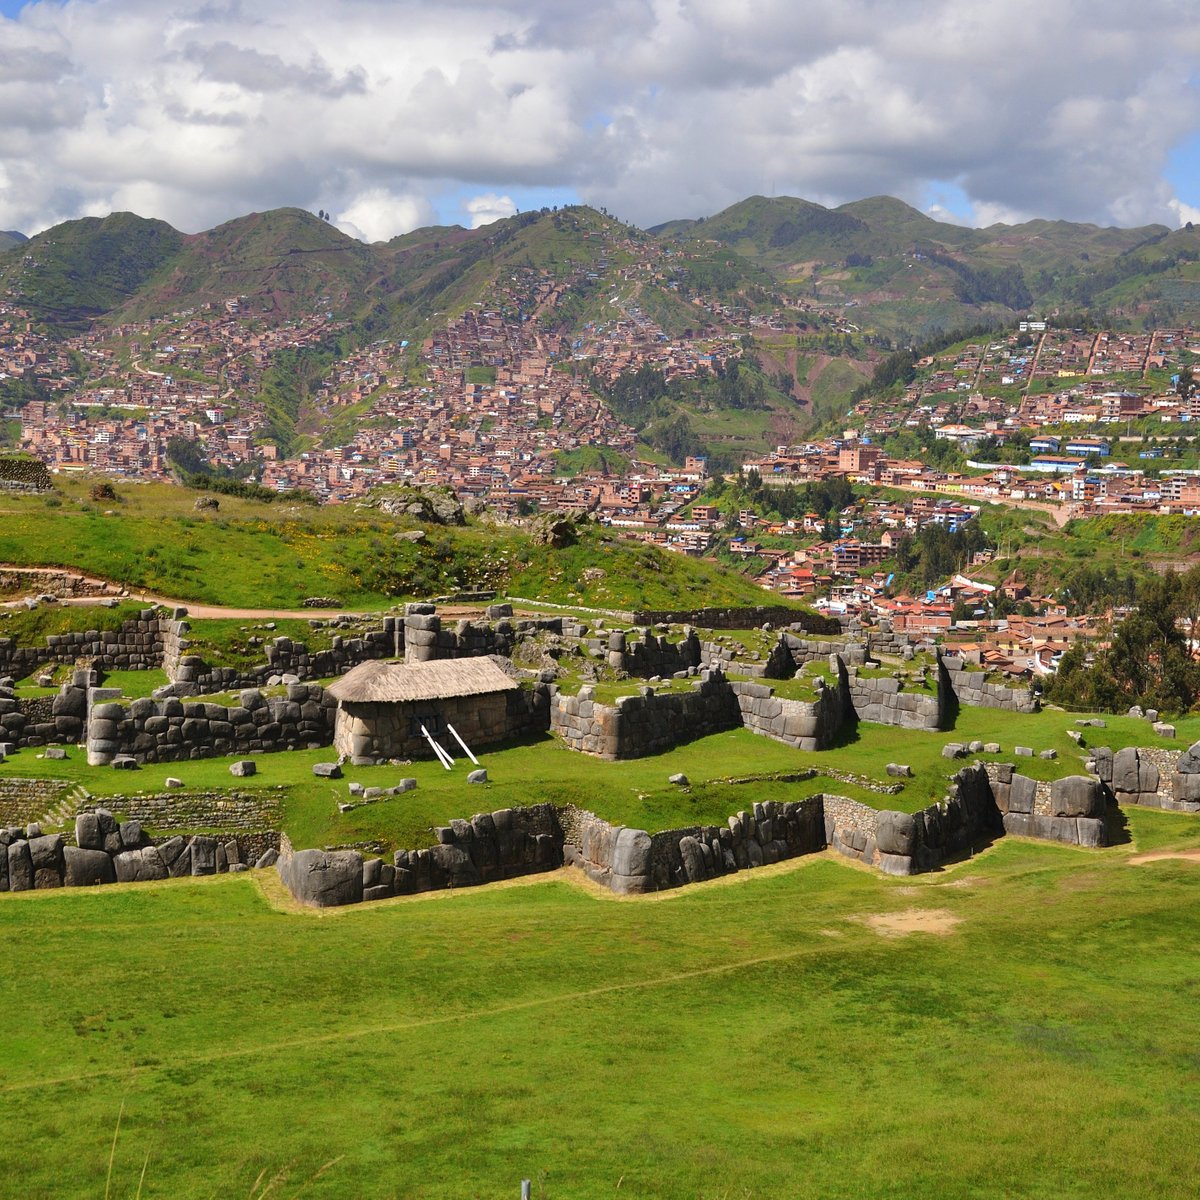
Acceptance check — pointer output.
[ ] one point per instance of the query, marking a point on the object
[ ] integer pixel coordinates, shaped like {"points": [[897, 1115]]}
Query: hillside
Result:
{"points": [[77, 272], [285, 262], [10, 238], [253, 554], [909, 276]]}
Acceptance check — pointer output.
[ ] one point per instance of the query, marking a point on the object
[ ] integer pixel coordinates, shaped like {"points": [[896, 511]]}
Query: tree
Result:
{"points": [[1148, 660]]}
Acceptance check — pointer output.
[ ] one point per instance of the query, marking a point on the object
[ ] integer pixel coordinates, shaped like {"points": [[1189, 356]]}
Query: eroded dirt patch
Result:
{"points": [[1160, 855], [914, 920]]}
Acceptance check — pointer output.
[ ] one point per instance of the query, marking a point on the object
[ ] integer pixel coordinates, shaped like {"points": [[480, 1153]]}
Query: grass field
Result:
{"points": [[258, 555], [756, 1037]]}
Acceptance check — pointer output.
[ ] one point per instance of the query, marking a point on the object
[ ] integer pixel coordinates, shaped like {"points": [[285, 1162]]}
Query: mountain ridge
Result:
{"points": [[906, 273]]}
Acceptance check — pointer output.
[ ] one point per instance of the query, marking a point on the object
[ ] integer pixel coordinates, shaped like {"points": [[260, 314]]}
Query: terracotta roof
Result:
{"points": [[391, 682]]}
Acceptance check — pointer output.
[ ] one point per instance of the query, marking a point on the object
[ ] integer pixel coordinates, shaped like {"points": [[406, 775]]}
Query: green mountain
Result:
{"points": [[285, 262], [10, 238], [908, 275], [74, 273]]}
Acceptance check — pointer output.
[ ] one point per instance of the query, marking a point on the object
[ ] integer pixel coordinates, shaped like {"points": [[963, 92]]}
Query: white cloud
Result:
{"points": [[377, 215], [488, 208], [652, 108]]}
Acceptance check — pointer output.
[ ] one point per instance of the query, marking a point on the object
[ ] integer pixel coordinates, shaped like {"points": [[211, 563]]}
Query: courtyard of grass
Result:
{"points": [[726, 772], [759, 1036]]}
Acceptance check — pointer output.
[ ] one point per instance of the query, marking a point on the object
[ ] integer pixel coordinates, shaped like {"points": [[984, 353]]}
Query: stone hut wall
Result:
{"points": [[171, 730], [369, 733]]}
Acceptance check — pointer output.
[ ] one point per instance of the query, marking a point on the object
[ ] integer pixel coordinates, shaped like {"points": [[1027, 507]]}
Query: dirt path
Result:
{"points": [[1162, 855], [202, 611]]}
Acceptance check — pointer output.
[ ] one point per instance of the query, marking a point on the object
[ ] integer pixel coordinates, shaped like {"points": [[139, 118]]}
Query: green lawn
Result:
{"points": [[751, 1037], [254, 554]]}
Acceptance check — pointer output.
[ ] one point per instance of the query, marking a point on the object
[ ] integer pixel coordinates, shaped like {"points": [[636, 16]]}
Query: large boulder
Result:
{"points": [[896, 834], [323, 878], [88, 834], [1077, 796], [1189, 761], [85, 867], [1131, 774], [1022, 794], [46, 851], [693, 859], [139, 866], [20, 867]]}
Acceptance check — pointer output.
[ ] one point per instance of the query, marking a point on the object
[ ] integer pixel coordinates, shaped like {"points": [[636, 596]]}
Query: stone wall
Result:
{"points": [[135, 645], [190, 674], [1163, 779], [632, 861], [900, 843], [25, 800], [973, 689], [740, 618], [107, 851], [646, 723], [1070, 810], [46, 581], [883, 701], [803, 651], [489, 847], [807, 725], [43, 720], [171, 730]]}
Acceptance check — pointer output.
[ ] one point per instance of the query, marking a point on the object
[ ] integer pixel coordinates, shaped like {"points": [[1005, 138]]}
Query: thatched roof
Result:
{"points": [[390, 682]]}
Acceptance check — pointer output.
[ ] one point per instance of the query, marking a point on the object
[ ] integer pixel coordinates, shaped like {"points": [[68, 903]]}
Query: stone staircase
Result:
{"points": [[62, 814]]}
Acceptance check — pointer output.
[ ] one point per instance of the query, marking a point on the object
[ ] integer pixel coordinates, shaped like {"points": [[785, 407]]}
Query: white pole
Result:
{"points": [[443, 757], [466, 748]]}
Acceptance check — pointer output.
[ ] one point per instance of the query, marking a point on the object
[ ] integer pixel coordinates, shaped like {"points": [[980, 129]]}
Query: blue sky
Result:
{"points": [[397, 113]]}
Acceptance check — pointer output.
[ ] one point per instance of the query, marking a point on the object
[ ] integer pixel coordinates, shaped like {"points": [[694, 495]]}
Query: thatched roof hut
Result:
{"points": [[376, 682], [385, 709]]}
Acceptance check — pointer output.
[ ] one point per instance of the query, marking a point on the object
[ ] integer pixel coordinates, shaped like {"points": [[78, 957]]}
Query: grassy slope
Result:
{"points": [[252, 554], [755, 1037]]}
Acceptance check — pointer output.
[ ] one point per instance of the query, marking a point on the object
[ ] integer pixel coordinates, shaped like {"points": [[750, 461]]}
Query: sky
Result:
{"points": [[393, 114]]}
